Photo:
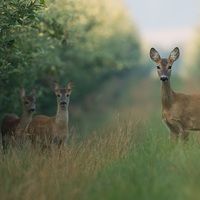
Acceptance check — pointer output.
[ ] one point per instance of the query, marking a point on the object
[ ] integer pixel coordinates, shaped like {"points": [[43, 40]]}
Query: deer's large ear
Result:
{"points": [[21, 93], [55, 86], [174, 55], [70, 86], [154, 55], [32, 93]]}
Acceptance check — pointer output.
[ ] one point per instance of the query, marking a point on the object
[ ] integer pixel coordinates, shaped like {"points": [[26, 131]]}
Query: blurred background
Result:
{"points": [[103, 46]]}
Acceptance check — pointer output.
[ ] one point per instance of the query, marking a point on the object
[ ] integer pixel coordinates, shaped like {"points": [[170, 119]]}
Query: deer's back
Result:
{"points": [[9, 124], [184, 111], [42, 125], [185, 104]]}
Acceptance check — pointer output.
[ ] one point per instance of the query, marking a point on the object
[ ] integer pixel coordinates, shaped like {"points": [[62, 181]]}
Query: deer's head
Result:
{"points": [[164, 65], [63, 94], [28, 101]]}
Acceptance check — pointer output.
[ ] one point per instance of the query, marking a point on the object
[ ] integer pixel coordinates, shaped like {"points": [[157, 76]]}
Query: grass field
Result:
{"points": [[115, 163], [128, 158]]}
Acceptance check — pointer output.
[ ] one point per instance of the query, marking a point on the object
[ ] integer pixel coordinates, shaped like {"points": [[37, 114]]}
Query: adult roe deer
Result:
{"points": [[13, 127], [46, 130], [180, 112]]}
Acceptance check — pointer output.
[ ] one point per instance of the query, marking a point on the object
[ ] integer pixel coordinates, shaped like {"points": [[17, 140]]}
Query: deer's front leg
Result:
{"points": [[185, 135], [174, 136], [173, 128]]}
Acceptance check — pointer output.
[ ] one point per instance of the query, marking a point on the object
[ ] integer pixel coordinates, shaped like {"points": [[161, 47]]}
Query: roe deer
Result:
{"points": [[180, 112], [46, 130], [13, 127]]}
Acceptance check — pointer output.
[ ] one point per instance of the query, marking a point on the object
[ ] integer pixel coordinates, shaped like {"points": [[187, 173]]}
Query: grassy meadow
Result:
{"points": [[129, 158]]}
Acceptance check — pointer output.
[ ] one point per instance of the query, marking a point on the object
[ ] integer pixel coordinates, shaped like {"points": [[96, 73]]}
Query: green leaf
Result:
{"points": [[42, 1]]}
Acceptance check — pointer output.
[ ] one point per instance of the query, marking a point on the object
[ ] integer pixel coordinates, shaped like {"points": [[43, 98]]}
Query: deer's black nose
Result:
{"points": [[164, 78], [63, 103], [32, 110]]}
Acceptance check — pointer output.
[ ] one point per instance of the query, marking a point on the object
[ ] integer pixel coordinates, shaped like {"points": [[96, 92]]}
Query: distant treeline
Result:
{"points": [[84, 41]]}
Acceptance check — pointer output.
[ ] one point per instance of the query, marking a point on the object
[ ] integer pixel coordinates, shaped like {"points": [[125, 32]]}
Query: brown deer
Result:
{"points": [[180, 112], [13, 127], [45, 130]]}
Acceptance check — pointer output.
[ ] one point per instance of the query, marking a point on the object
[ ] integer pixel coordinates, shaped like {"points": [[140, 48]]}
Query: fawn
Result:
{"points": [[13, 127], [46, 130], [180, 112]]}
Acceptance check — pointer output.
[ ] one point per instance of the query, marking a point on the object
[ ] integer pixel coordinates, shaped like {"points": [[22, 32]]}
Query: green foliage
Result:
{"points": [[84, 41], [96, 41], [18, 18]]}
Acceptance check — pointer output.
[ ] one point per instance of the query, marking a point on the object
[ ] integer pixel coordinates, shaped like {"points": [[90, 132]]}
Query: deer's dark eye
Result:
{"points": [[58, 95], [26, 102], [158, 67], [67, 95], [169, 67]]}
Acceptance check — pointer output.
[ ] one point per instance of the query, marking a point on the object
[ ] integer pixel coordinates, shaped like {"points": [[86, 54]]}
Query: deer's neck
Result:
{"points": [[62, 117], [167, 94], [25, 119]]}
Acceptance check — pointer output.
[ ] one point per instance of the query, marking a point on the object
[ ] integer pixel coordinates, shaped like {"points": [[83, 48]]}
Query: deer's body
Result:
{"points": [[44, 129], [180, 112], [13, 127]]}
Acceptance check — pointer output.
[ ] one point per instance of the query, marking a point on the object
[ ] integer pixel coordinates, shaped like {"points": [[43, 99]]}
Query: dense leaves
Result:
{"points": [[86, 41], [18, 18]]}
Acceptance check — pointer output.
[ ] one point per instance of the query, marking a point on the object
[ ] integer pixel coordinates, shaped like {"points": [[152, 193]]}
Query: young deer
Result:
{"points": [[180, 112], [13, 127], [47, 130]]}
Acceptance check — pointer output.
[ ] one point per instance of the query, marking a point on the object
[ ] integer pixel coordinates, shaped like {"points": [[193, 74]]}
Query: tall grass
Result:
{"points": [[65, 173], [156, 169], [123, 161]]}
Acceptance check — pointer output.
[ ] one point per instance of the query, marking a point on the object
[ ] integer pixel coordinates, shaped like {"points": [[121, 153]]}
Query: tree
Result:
{"points": [[18, 18], [86, 41]]}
